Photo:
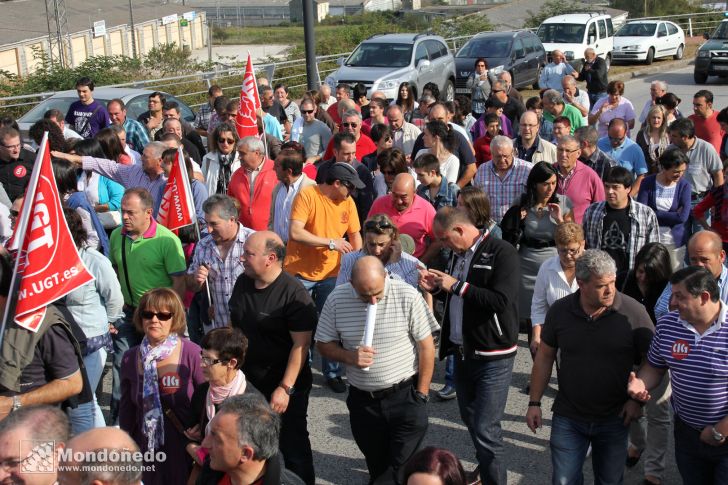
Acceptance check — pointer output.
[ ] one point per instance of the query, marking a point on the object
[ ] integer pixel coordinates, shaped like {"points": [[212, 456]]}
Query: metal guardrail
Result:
{"points": [[294, 73]]}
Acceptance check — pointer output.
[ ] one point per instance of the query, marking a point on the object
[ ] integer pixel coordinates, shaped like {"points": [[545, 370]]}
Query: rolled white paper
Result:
{"points": [[369, 327]]}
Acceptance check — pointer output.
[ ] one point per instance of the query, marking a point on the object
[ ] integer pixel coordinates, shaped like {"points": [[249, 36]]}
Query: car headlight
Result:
{"points": [[390, 84], [497, 69], [631, 48], [704, 53]]}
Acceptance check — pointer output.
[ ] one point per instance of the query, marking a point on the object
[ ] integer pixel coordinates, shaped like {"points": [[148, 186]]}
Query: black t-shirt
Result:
{"points": [[54, 358], [277, 110], [597, 355], [615, 237], [15, 175], [266, 317], [462, 150]]}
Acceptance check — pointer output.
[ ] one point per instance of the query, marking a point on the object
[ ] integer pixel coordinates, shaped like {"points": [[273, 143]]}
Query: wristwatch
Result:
{"points": [[289, 389], [332, 245], [423, 396], [717, 436]]}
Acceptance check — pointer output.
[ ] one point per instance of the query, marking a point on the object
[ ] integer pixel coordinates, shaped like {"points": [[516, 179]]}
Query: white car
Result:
{"points": [[645, 40]]}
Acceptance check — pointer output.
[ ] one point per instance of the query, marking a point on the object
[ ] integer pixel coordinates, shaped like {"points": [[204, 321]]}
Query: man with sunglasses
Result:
{"points": [[625, 151], [351, 123], [513, 108], [320, 218], [16, 163], [315, 135]]}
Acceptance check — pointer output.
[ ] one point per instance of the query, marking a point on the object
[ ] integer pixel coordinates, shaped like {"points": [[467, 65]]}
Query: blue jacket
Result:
{"points": [[78, 199], [677, 217]]}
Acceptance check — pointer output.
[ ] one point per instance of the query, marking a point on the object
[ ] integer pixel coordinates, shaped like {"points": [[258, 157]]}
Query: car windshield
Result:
{"points": [[561, 33], [637, 30], [721, 32], [485, 47], [373, 54]]}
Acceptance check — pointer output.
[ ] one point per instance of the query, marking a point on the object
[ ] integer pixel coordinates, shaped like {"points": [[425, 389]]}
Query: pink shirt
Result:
{"points": [[583, 186], [416, 221]]}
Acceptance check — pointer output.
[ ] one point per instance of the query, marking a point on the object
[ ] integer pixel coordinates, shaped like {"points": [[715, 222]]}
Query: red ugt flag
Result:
{"points": [[176, 210], [246, 120], [47, 260]]}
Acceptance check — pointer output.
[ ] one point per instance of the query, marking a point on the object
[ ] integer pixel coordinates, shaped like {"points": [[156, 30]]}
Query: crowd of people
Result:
{"points": [[385, 235]]}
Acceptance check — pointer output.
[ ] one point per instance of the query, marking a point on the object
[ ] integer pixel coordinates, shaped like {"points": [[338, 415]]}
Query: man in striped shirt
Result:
{"points": [[390, 378], [692, 343]]}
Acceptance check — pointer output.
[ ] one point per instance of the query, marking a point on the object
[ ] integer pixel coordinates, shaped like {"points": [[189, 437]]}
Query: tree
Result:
{"points": [[553, 8]]}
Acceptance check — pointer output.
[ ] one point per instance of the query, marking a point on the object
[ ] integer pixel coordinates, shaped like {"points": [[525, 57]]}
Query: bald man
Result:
{"points": [[412, 215], [390, 378], [705, 249], [278, 316], [555, 71], [102, 472]]}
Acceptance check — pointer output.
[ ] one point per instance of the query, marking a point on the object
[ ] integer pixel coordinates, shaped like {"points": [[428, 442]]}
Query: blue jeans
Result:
{"points": [[594, 97], [697, 462], [482, 388], [125, 338], [88, 415], [319, 291], [570, 440], [450, 370]]}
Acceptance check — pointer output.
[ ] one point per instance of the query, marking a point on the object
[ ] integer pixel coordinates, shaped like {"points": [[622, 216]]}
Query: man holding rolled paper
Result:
{"points": [[381, 330]]}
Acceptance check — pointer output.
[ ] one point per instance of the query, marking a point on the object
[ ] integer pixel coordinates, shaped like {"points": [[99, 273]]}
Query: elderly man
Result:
{"points": [[705, 249], [594, 72], [243, 444], [598, 332], [291, 180], [326, 98], [591, 155], [503, 178], [390, 377], [216, 261], [411, 213], [252, 184], [555, 71], [578, 98], [404, 133], [480, 329], [351, 123], [531, 147], [316, 243], [278, 316], [507, 80], [620, 226], [555, 106], [31, 442], [98, 469], [690, 343], [657, 89], [576, 180], [626, 152], [136, 135], [315, 135], [705, 119]]}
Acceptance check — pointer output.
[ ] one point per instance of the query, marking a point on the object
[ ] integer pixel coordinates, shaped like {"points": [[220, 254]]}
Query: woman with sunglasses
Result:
{"points": [[158, 379], [222, 160], [222, 356], [382, 137]]}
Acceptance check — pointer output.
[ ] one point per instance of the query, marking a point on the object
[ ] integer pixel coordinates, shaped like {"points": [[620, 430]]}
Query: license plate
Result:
{"points": [[462, 91]]}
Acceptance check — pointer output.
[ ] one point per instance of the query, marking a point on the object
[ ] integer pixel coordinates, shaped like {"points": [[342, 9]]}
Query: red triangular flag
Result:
{"points": [[47, 260], [246, 120], [176, 209]]}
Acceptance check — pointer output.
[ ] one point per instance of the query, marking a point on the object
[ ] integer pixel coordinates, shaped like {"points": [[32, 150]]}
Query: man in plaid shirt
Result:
{"points": [[504, 178], [202, 120], [620, 226], [218, 256]]}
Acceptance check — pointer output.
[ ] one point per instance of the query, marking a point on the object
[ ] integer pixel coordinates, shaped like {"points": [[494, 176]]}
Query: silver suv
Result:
{"points": [[383, 62]]}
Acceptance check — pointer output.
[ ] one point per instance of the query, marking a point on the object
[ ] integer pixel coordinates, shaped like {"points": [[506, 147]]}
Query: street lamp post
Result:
{"points": [[133, 31]]}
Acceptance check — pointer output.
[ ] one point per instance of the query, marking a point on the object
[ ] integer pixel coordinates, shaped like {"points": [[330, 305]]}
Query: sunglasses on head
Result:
{"points": [[161, 316], [377, 225]]}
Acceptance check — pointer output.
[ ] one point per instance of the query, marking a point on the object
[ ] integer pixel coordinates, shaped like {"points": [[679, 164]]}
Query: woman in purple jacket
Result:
{"points": [[668, 194]]}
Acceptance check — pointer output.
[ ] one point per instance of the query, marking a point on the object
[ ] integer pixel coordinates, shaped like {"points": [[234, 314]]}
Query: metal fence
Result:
{"points": [[193, 88]]}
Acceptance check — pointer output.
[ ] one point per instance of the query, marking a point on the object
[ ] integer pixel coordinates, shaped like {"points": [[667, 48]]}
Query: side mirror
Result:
{"points": [[423, 64], [340, 61], [706, 36]]}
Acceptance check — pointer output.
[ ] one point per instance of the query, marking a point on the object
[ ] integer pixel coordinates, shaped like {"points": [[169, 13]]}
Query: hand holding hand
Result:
{"points": [[636, 388]]}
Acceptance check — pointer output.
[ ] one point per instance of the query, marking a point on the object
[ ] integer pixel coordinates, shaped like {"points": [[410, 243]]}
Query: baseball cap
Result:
{"points": [[345, 173]]}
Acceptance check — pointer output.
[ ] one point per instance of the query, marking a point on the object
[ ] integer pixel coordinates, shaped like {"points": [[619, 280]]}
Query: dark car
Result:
{"points": [[518, 52], [712, 57]]}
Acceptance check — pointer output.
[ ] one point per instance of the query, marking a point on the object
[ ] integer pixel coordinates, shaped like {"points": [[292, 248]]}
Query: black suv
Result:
{"points": [[518, 52]]}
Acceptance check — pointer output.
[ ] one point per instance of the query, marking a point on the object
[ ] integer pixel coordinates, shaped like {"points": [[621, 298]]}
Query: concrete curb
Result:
{"points": [[653, 69]]}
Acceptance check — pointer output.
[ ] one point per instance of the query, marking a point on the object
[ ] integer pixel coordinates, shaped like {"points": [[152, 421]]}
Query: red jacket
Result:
{"points": [[256, 212]]}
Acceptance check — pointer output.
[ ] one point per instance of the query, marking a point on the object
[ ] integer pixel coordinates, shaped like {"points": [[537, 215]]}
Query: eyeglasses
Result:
{"points": [[350, 125], [566, 150], [228, 141], [11, 147], [210, 362], [349, 186], [161, 316], [307, 111], [377, 225], [569, 251]]}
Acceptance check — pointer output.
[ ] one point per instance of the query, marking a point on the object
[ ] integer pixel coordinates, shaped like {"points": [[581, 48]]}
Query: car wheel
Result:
{"points": [[608, 61], [449, 90], [700, 77], [538, 76], [679, 53], [650, 56]]}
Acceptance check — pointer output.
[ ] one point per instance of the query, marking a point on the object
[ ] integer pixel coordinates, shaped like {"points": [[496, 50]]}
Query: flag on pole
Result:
{"points": [[177, 208], [246, 120], [46, 261]]}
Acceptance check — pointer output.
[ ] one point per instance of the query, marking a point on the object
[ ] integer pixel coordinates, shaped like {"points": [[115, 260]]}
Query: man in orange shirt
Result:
{"points": [[320, 217], [252, 184], [705, 119]]}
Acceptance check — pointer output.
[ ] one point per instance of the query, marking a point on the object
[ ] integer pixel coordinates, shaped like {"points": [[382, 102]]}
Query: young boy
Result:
{"points": [[434, 187]]}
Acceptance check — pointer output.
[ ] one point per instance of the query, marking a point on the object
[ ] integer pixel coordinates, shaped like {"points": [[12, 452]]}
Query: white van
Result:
{"points": [[573, 33]]}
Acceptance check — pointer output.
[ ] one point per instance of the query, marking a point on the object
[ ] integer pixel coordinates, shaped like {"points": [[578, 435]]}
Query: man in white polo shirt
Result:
{"points": [[389, 379]]}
